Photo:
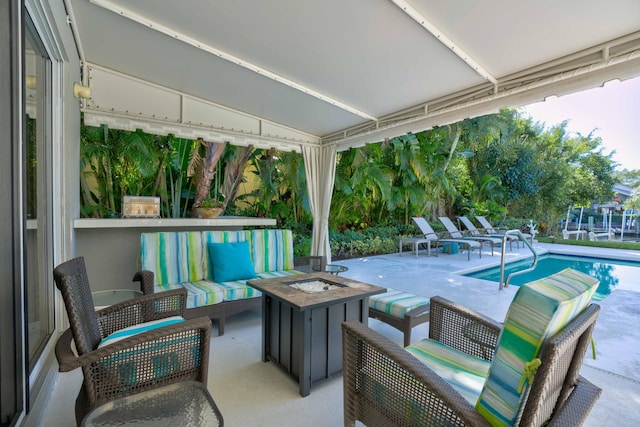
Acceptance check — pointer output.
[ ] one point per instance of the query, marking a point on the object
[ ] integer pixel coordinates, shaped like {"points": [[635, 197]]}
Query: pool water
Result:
{"points": [[611, 273]]}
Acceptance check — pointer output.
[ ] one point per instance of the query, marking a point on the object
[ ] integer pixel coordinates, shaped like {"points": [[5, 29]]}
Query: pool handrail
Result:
{"points": [[504, 251]]}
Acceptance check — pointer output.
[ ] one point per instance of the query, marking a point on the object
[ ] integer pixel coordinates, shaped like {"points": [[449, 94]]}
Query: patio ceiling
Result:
{"points": [[285, 72]]}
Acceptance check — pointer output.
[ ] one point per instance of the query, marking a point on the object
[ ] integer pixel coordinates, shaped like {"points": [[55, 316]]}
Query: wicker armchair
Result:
{"points": [[385, 385], [168, 354]]}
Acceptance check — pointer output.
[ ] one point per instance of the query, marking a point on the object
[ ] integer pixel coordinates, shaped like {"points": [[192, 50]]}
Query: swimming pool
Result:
{"points": [[611, 273]]}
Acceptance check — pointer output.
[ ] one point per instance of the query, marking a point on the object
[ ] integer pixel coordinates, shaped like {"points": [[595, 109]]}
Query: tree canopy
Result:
{"points": [[496, 165]]}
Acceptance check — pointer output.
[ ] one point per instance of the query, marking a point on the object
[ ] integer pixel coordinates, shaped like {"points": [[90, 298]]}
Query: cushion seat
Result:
{"points": [[397, 303], [199, 292], [465, 373]]}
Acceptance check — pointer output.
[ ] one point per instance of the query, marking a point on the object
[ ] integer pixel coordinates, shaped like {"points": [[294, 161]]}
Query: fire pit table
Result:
{"points": [[301, 322]]}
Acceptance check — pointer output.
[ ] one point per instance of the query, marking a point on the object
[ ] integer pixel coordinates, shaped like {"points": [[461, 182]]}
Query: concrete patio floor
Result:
{"points": [[250, 392]]}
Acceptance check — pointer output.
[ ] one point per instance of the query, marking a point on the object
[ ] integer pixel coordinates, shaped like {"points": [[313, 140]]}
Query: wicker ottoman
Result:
{"points": [[401, 310]]}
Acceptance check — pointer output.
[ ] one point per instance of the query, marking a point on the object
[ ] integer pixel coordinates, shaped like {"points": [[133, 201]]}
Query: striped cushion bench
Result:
{"points": [[401, 310], [213, 266]]}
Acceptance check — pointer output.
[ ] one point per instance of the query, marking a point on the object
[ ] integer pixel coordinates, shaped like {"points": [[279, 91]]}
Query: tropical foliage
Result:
{"points": [[501, 166]]}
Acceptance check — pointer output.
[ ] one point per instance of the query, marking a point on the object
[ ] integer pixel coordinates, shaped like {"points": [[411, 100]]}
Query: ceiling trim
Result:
{"points": [[584, 78], [212, 50], [444, 39], [623, 52]]}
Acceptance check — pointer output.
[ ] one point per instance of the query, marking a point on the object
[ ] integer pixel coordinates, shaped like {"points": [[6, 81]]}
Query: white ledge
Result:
{"points": [[221, 221]]}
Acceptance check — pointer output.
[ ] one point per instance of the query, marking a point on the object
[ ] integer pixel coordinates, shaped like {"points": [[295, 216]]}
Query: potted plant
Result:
{"points": [[209, 208]]}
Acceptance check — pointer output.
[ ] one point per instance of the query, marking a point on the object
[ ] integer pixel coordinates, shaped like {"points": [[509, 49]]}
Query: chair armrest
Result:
{"points": [[462, 328], [578, 405], [381, 380], [145, 277], [179, 352], [143, 309]]}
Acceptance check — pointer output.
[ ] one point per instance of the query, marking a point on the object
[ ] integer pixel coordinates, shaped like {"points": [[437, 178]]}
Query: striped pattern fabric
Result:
{"points": [[138, 329], [396, 303], [465, 373], [174, 257], [181, 260], [272, 250], [539, 310], [199, 293]]}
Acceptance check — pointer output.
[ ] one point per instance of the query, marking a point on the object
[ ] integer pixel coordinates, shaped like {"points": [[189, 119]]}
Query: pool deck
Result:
{"points": [[616, 368], [237, 375]]}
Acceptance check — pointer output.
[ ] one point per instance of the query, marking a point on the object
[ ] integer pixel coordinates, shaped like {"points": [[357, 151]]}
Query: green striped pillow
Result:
{"points": [[539, 310], [272, 250], [173, 257]]}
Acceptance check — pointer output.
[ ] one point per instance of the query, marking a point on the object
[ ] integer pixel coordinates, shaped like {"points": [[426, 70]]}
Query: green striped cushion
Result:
{"points": [[539, 310], [174, 257], [465, 373], [396, 303], [209, 237], [238, 289], [272, 274], [199, 293], [272, 250]]}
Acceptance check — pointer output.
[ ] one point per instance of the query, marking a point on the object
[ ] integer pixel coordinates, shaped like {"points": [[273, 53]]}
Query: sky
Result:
{"points": [[612, 112]]}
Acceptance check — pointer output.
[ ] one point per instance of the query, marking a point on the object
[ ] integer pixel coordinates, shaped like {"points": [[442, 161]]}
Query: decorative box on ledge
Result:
{"points": [[140, 207]]}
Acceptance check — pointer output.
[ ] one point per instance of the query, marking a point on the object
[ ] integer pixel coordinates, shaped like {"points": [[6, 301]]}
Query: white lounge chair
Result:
{"points": [[476, 233], [429, 234], [593, 236], [457, 234], [492, 230], [580, 234]]}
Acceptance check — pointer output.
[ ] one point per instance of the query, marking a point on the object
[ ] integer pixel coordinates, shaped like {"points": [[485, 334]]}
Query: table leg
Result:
{"points": [[304, 379]]}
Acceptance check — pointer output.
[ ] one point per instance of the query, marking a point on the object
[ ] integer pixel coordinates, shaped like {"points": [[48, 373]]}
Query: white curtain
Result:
{"points": [[320, 167]]}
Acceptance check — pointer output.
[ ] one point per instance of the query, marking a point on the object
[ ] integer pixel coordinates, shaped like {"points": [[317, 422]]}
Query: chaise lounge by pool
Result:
{"points": [[612, 273]]}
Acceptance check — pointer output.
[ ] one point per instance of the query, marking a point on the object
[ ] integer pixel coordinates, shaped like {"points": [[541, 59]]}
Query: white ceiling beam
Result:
{"points": [[442, 38], [108, 5]]}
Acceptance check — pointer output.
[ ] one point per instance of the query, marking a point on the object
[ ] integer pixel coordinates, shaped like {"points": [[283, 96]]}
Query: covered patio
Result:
{"points": [[313, 77], [274, 396]]}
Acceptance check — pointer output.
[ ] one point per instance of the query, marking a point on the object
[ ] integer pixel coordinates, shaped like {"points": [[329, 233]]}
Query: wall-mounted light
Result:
{"points": [[30, 81], [80, 91]]}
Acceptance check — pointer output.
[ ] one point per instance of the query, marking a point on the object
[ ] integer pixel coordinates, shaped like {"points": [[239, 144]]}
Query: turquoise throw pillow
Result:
{"points": [[231, 261]]}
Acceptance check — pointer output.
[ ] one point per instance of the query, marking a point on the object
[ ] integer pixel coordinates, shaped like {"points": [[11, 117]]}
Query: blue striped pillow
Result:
{"points": [[539, 310], [138, 329]]}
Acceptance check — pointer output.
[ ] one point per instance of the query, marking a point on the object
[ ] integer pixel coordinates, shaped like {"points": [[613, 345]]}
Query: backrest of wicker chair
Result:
{"points": [[561, 357], [72, 281]]}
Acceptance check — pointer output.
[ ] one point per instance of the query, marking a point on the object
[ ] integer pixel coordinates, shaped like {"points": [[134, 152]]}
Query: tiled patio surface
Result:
{"points": [[252, 393]]}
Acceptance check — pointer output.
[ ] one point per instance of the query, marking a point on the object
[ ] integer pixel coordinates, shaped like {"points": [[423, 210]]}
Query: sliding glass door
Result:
{"points": [[38, 195], [12, 371]]}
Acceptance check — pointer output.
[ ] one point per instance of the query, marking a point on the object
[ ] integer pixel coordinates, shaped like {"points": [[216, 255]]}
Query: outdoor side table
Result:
{"points": [[102, 299], [415, 243], [333, 269], [181, 404]]}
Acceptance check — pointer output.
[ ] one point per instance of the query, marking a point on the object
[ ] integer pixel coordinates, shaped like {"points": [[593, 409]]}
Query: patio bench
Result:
{"points": [[214, 266], [402, 310]]}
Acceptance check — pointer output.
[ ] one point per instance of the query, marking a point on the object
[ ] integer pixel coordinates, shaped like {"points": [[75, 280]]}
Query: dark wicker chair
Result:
{"points": [[558, 396], [162, 356]]}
